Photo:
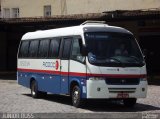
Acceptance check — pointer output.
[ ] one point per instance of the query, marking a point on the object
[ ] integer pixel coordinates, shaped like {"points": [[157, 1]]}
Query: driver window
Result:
{"points": [[76, 52]]}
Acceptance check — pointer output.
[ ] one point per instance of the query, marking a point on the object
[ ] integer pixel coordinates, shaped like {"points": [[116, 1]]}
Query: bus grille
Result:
{"points": [[122, 81], [120, 90]]}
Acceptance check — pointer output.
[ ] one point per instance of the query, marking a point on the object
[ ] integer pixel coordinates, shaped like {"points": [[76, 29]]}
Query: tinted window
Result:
{"points": [[33, 48], [24, 49], [66, 48], [43, 48], [54, 48], [76, 52], [113, 49]]}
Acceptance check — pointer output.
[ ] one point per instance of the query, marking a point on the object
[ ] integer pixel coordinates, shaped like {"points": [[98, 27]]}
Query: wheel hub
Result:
{"points": [[75, 96]]}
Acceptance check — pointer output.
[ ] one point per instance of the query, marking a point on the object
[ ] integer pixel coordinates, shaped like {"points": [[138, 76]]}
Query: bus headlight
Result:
{"points": [[97, 78]]}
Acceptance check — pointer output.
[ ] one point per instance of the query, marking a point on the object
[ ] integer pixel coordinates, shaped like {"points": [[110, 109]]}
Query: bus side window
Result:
{"points": [[54, 48], [33, 49], [66, 48], [76, 50], [23, 52], [43, 48]]}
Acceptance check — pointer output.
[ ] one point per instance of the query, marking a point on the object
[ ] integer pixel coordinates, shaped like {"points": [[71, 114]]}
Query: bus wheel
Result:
{"points": [[34, 89], [130, 102], [76, 96]]}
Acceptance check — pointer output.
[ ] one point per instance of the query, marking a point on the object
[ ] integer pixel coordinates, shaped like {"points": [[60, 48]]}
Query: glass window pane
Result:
{"points": [[15, 12], [24, 49], [76, 50], [54, 48], [6, 13], [33, 48], [43, 48], [47, 10], [66, 48]]}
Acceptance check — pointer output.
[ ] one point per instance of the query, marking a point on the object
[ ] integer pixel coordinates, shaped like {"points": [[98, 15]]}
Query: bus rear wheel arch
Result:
{"points": [[35, 93]]}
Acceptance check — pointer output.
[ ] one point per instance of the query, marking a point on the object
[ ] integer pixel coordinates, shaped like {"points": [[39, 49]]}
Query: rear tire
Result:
{"points": [[34, 89], [77, 101], [129, 102]]}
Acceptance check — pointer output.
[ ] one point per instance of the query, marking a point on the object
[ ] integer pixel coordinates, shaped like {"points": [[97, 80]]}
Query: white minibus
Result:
{"points": [[89, 61]]}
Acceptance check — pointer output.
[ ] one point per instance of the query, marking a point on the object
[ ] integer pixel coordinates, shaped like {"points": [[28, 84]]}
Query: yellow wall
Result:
{"points": [[31, 8], [34, 8], [94, 6]]}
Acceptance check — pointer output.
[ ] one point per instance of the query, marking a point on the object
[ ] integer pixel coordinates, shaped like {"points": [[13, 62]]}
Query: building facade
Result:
{"points": [[142, 17], [47, 8], [0, 8]]}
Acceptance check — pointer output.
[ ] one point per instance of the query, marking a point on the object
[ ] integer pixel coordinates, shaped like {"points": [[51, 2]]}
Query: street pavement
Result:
{"points": [[16, 99]]}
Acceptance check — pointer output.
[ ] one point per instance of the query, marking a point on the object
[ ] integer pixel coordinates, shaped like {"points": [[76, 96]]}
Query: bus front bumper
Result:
{"points": [[98, 89]]}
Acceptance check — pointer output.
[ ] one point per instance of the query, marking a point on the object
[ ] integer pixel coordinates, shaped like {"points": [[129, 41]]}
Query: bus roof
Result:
{"points": [[74, 30]]}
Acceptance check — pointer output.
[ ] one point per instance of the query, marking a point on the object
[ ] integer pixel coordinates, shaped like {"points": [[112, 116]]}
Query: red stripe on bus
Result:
{"points": [[85, 74], [39, 71]]}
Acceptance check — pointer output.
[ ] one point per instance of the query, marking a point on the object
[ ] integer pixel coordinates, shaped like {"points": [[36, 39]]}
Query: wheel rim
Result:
{"points": [[75, 96]]}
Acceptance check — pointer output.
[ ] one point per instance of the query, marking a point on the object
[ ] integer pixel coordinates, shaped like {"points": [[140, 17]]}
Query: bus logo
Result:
{"points": [[57, 65]]}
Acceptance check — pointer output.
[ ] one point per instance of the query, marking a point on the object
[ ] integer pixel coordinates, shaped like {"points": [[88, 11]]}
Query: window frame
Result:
{"points": [[20, 54], [40, 40], [76, 38], [15, 12], [5, 11], [59, 48], [47, 9], [36, 56], [62, 47]]}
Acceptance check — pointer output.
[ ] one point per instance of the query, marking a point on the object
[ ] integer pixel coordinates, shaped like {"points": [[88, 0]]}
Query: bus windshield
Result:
{"points": [[113, 49]]}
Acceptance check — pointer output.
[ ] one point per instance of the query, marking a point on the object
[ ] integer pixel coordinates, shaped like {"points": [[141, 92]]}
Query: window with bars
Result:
{"points": [[15, 12], [47, 11], [6, 13]]}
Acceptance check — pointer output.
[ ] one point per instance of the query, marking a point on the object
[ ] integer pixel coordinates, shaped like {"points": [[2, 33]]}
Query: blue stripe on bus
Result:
{"points": [[52, 83]]}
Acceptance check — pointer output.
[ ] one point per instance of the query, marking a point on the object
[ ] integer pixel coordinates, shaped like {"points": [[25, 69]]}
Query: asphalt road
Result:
{"points": [[15, 99]]}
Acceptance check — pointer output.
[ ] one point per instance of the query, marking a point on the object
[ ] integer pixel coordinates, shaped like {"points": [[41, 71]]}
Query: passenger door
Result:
{"points": [[65, 54]]}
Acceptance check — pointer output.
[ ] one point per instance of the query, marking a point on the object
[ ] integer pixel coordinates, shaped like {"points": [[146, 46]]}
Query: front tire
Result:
{"points": [[77, 101], [129, 102]]}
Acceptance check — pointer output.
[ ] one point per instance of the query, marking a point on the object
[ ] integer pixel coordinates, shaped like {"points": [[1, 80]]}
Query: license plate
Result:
{"points": [[122, 95]]}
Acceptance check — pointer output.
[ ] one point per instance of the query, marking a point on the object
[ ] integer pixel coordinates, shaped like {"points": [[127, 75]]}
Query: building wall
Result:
{"points": [[31, 8], [98, 6], [35, 8], [0, 8]]}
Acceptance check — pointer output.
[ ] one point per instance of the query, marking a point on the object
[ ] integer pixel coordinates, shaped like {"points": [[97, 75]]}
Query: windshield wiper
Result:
{"points": [[135, 58], [138, 61], [115, 59]]}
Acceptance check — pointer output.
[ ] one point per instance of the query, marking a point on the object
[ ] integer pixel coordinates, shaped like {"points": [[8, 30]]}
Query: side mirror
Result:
{"points": [[144, 51], [83, 48], [84, 51]]}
